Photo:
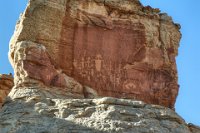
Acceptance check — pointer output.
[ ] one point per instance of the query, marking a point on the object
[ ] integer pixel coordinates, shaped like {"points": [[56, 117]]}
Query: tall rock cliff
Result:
{"points": [[111, 47], [71, 56]]}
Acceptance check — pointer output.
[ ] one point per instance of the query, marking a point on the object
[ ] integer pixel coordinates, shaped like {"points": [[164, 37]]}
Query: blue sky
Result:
{"points": [[185, 12]]}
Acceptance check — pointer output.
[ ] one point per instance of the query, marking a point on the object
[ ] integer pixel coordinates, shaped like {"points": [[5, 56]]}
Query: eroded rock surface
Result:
{"points": [[104, 115], [6, 84], [116, 48]]}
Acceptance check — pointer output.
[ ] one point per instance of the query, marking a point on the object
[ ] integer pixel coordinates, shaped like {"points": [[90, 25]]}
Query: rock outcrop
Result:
{"points": [[112, 48], [6, 84], [93, 66], [104, 115], [194, 128]]}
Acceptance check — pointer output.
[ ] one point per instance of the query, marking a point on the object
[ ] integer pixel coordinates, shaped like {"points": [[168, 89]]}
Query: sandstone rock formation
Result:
{"points": [[112, 48], [69, 55], [6, 84], [105, 115]]}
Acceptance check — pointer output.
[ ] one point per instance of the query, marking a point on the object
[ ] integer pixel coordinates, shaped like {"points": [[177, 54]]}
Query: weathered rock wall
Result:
{"points": [[112, 48], [6, 84], [66, 51]]}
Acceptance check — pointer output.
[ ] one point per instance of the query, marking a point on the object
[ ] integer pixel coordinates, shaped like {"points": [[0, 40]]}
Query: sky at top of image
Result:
{"points": [[184, 12]]}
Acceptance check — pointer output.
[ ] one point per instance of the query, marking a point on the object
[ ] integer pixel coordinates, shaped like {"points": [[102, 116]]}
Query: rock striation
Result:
{"points": [[93, 66], [6, 84], [114, 48]]}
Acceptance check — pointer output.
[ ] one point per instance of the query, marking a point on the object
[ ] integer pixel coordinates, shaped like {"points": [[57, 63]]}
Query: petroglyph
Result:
{"points": [[103, 54]]}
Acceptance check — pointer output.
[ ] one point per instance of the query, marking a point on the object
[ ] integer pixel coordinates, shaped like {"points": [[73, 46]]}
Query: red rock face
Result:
{"points": [[39, 66], [103, 56], [119, 49], [117, 63], [6, 84]]}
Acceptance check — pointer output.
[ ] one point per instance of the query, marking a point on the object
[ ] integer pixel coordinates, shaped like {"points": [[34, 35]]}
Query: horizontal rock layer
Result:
{"points": [[112, 48]]}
